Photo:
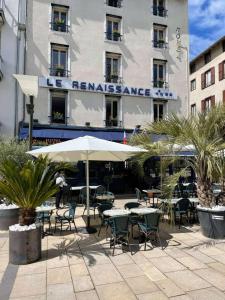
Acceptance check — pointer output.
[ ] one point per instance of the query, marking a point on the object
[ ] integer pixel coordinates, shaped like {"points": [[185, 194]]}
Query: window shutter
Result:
{"points": [[223, 97], [203, 105], [213, 101], [213, 75], [221, 71], [203, 80]]}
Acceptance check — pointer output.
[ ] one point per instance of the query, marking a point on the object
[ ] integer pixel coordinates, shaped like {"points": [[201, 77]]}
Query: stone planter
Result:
{"points": [[25, 246], [212, 223], [8, 217]]}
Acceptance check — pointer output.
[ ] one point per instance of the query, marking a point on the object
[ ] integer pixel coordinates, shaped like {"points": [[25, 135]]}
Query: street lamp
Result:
{"points": [[29, 86]]}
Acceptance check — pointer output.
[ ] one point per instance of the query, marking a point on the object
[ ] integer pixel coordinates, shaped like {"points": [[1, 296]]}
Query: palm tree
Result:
{"points": [[28, 185], [205, 132]]}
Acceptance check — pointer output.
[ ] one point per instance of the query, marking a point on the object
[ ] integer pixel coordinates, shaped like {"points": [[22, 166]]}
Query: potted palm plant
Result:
{"points": [[205, 132], [27, 186]]}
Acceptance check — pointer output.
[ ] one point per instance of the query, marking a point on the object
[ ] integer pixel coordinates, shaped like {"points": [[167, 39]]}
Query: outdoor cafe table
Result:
{"points": [[105, 197], [42, 210], [175, 200], [78, 188], [116, 212], [153, 193], [143, 210]]}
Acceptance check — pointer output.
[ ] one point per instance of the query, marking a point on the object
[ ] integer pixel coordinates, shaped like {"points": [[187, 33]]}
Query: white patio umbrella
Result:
{"points": [[87, 149]]}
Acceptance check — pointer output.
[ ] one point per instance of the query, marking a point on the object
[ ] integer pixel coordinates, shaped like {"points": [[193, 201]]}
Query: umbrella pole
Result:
{"points": [[89, 228]]}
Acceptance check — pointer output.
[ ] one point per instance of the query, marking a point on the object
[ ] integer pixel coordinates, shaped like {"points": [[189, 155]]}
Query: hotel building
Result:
{"points": [[207, 78], [105, 66]]}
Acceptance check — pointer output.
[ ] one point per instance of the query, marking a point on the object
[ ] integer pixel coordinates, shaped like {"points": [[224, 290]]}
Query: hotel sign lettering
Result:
{"points": [[105, 88]]}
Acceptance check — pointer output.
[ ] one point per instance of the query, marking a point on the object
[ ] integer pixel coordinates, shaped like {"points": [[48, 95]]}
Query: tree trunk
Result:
{"points": [[205, 194], [27, 216]]}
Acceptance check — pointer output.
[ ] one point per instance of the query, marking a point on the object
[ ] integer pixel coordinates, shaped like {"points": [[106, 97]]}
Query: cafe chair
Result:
{"points": [[68, 217], [150, 226], [104, 219], [182, 208], [140, 197]]}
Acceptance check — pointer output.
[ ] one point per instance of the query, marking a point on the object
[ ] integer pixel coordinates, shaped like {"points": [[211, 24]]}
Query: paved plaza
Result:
{"points": [[78, 266]]}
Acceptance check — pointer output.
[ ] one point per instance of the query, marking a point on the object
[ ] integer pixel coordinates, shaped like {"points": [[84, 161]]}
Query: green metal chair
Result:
{"points": [[140, 197], [182, 208], [119, 231], [104, 219], [68, 217], [150, 226]]}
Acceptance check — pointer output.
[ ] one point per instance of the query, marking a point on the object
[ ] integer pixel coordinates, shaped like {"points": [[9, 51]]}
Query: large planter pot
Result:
{"points": [[25, 246], [212, 223], [8, 217]]}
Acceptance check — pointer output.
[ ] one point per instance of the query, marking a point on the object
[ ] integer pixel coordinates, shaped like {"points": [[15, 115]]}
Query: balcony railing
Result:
{"points": [[113, 36], [159, 11], [2, 14], [113, 78], [159, 44], [57, 118], [113, 123], [160, 84], [114, 3], [1, 73], [59, 27], [54, 71]]}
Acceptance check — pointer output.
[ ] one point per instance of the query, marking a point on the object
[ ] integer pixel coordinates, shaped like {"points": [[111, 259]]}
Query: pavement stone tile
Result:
{"points": [[79, 270], [169, 288], [191, 263], [1, 275], [175, 252], [215, 278], [154, 253], [182, 297], [122, 259], [38, 297], [83, 283], [4, 258], [218, 267], [209, 294], [152, 272], [57, 262], [139, 258], [103, 274], [152, 296], [141, 285], [60, 291], [95, 256], [220, 258], [26, 286], [89, 295], [58, 275], [131, 270], [187, 280], [211, 250], [34, 268], [200, 256], [115, 291], [167, 264]]}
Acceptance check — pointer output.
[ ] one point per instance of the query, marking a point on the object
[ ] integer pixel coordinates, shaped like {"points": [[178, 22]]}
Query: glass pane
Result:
{"points": [[58, 109], [155, 72], [108, 66], [160, 111], [155, 112], [63, 17], [63, 58], [109, 30], [161, 73], [55, 15], [115, 66], [55, 61], [108, 111], [161, 33], [115, 109], [116, 26]]}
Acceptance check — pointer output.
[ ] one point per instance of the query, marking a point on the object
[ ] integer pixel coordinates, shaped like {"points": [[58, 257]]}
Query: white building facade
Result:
{"points": [[12, 60], [105, 67]]}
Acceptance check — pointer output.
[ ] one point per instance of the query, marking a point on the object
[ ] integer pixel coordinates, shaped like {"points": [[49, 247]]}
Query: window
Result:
{"points": [[114, 3], [159, 74], [159, 8], [112, 111], [208, 103], [58, 107], [113, 28], [158, 111], [208, 78], [193, 109], [192, 68], [59, 18], [207, 57], [112, 67], [193, 85], [159, 36], [59, 60], [222, 70]]}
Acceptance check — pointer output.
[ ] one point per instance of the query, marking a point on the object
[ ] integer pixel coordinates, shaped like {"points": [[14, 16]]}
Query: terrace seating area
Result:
{"points": [[76, 265]]}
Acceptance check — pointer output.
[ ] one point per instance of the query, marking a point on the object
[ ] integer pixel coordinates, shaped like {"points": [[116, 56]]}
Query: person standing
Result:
{"points": [[61, 182]]}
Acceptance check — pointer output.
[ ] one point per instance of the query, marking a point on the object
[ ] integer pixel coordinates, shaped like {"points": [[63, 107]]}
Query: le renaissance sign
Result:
{"points": [[105, 88]]}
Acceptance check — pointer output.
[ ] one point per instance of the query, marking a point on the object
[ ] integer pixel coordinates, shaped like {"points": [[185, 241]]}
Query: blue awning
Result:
{"points": [[72, 134]]}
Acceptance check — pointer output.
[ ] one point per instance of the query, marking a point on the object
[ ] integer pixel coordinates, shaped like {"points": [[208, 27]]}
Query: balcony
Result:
{"points": [[160, 84], [58, 118], [159, 11], [113, 79], [114, 3], [1, 74], [159, 44], [59, 27], [59, 71], [2, 15], [113, 36], [113, 123]]}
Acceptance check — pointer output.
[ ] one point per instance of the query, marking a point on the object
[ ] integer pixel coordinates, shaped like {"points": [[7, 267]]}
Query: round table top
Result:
{"points": [[116, 212], [105, 197], [175, 200], [143, 210], [44, 208], [154, 191]]}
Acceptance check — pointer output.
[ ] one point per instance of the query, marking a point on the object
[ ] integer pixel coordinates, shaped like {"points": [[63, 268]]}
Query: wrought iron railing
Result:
{"points": [[160, 84], [54, 71], [159, 11], [114, 3], [160, 44], [113, 123], [59, 27], [113, 78], [113, 36]]}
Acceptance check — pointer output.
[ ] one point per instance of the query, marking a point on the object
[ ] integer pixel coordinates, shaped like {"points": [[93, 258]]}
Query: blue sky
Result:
{"points": [[207, 24]]}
